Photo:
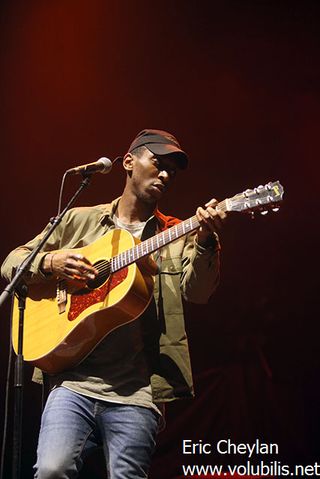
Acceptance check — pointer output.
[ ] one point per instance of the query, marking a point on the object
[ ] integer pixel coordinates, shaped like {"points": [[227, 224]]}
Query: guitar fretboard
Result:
{"points": [[156, 242]]}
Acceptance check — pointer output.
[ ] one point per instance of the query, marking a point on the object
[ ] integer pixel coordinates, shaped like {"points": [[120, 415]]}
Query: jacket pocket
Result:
{"points": [[167, 286], [171, 266]]}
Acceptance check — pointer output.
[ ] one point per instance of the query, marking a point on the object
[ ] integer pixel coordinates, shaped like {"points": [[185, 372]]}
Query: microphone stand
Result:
{"points": [[20, 287]]}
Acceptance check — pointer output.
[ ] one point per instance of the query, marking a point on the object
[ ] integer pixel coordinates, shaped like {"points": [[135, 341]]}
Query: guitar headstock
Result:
{"points": [[260, 199]]}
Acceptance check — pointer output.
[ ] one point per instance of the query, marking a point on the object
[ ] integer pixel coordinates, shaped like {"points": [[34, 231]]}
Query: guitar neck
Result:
{"points": [[156, 242]]}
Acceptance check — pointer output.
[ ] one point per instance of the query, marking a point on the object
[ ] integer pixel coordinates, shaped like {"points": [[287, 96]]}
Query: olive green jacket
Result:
{"points": [[186, 270]]}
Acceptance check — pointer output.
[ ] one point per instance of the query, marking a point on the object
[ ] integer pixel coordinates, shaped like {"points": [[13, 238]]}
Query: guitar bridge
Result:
{"points": [[62, 297]]}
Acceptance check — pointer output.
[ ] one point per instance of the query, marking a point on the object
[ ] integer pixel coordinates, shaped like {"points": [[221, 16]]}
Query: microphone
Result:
{"points": [[103, 165]]}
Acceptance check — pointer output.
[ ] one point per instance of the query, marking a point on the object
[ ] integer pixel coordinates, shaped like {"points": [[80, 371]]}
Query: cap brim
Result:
{"points": [[162, 149]]}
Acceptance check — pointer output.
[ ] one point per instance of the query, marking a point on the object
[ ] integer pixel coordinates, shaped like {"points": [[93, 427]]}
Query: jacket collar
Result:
{"points": [[108, 210]]}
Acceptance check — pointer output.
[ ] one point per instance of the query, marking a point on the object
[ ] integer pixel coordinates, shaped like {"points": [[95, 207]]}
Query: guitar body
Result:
{"points": [[55, 340]]}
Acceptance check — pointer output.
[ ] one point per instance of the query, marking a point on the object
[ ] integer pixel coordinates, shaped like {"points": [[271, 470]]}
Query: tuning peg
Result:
{"points": [[275, 209], [264, 212], [258, 189]]}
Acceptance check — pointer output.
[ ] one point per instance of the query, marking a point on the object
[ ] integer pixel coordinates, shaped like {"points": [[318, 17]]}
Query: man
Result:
{"points": [[114, 397]]}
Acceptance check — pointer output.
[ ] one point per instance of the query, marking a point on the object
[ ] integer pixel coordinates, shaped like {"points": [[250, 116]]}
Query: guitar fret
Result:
{"points": [[152, 244]]}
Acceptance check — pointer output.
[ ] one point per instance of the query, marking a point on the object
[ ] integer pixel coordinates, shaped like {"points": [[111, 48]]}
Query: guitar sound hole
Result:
{"points": [[103, 266]]}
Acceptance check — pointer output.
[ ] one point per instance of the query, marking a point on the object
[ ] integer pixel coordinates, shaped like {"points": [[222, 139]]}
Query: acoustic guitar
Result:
{"points": [[63, 323]]}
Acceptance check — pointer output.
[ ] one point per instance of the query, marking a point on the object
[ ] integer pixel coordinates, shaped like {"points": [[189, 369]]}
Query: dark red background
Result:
{"points": [[238, 83]]}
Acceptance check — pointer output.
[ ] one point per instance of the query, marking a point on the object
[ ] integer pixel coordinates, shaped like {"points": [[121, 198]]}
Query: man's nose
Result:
{"points": [[164, 175]]}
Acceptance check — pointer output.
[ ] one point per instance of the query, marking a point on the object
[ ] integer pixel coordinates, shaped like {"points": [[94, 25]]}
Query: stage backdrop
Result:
{"points": [[238, 84]]}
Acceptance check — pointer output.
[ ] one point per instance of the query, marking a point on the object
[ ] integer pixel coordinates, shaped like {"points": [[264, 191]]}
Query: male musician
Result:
{"points": [[114, 397]]}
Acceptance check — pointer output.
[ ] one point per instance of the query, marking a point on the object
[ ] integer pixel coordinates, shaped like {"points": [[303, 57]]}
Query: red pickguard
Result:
{"points": [[80, 303]]}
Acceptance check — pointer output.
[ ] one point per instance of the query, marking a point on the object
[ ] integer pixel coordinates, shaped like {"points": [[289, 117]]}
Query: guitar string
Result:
{"points": [[105, 267], [127, 257]]}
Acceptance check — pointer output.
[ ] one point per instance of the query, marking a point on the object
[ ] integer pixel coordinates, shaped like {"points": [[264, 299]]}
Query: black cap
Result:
{"points": [[160, 142]]}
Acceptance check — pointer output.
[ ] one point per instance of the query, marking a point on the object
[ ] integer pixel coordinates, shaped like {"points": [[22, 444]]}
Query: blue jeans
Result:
{"points": [[73, 424]]}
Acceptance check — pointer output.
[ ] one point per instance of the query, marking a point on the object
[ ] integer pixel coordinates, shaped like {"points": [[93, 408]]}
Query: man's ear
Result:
{"points": [[128, 162]]}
